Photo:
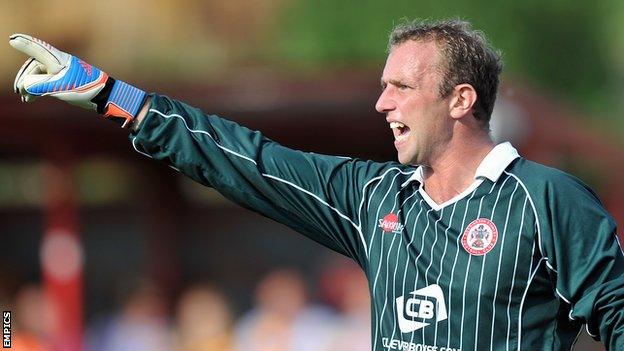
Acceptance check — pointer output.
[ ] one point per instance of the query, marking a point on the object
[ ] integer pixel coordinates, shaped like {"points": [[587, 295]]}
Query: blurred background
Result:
{"points": [[106, 250]]}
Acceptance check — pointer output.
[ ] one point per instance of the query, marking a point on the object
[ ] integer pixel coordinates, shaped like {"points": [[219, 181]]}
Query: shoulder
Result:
{"points": [[377, 171], [537, 176], [552, 187]]}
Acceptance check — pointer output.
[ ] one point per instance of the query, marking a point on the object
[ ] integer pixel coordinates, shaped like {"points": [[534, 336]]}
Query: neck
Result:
{"points": [[455, 166]]}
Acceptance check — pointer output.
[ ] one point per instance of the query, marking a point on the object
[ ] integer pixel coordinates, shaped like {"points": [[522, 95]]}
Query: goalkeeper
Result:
{"points": [[466, 245]]}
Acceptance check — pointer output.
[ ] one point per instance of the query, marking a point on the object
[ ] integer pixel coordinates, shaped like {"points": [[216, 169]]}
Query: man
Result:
{"points": [[465, 244]]}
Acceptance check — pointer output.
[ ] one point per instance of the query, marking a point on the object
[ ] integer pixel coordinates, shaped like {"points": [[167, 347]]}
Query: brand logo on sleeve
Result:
{"points": [[420, 308], [87, 67], [390, 223], [479, 237]]}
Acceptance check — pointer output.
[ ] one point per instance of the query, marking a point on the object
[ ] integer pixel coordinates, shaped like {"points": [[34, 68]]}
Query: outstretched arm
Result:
{"points": [[320, 196]]}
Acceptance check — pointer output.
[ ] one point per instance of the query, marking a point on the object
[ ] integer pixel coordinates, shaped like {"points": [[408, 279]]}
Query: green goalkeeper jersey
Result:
{"points": [[521, 260]]}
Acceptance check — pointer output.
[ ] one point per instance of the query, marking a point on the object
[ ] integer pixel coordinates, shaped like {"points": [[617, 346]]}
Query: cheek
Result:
{"points": [[413, 111], [430, 127]]}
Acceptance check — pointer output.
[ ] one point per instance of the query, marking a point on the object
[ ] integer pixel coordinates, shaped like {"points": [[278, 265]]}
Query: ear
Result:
{"points": [[463, 98]]}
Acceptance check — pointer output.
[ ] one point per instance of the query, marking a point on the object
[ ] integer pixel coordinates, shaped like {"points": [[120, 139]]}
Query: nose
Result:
{"points": [[384, 103]]}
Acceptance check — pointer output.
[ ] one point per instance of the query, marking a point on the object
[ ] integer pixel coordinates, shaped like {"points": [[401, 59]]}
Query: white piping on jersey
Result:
{"points": [[146, 154], [435, 333], [357, 227], [539, 229], [550, 266], [418, 176], [576, 338], [570, 317], [461, 328], [206, 133], [380, 314], [311, 194], [372, 192], [546, 258], [476, 336], [590, 333], [500, 260], [408, 257], [564, 299], [526, 290], [375, 230], [383, 309], [420, 252], [435, 231], [380, 178], [450, 291], [617, 239], [513, 279], [381, 242], [404, 201], [396, 267], [539, 236], [137, 150]]}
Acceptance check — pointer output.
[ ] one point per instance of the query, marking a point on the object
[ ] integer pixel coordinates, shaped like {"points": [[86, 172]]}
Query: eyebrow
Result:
{"points": [[394, 82]]}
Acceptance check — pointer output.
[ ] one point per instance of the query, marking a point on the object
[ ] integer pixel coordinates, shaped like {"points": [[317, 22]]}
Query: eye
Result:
{"points": [[403, 87]]}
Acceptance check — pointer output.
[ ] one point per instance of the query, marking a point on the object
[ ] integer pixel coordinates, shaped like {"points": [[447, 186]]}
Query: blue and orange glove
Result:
{"points": [[51, 72]]}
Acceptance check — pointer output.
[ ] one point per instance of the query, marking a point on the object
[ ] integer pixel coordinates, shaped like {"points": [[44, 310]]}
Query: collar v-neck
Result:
{"points": [[491, 167]]}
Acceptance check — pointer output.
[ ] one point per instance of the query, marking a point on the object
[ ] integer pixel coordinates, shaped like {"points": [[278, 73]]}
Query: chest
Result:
{"points": [[485, 239]]}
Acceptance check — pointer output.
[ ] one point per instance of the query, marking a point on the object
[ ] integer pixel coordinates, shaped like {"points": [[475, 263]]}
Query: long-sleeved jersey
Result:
{"points": [[521, 260]]}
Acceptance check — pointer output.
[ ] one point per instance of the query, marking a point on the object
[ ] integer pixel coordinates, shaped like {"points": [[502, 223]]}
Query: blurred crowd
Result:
{"points": [[284, 315]]}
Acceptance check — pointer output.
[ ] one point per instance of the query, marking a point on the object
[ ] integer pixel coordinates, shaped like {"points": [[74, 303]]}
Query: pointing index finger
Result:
{"points": [[51, 57]]}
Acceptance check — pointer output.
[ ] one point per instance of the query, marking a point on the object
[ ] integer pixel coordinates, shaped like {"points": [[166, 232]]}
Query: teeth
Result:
{"points": [[396, 125], [401, 137], [402, 132]]}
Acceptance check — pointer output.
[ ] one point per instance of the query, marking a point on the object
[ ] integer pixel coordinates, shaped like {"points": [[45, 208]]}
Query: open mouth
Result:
{"points": [[400, 131]]}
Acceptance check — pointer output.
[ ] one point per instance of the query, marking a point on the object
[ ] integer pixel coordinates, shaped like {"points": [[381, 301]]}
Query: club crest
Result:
{"points": [[479, 237]]}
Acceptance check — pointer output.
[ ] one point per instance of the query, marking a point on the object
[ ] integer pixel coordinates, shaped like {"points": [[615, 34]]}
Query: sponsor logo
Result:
{"points": [[396, 344], [421, 308], [390, 223], [479, 237]]}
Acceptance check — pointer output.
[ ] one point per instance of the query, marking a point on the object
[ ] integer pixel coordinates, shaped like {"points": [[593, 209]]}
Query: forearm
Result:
{"points": [[300, 189]]}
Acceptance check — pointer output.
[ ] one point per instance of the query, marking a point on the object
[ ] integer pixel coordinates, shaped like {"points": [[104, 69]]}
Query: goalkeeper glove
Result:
{"points": [[51, 72]]}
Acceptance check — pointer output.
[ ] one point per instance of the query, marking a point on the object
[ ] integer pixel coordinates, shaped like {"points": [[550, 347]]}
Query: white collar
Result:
{"points": [[491, 167]]}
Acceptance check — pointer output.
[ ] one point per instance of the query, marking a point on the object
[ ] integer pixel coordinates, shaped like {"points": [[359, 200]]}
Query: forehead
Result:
{"points": [[412, 59]]}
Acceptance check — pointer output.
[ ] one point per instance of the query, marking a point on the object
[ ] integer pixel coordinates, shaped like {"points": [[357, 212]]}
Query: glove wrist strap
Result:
{"points": [[119, 101]]}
